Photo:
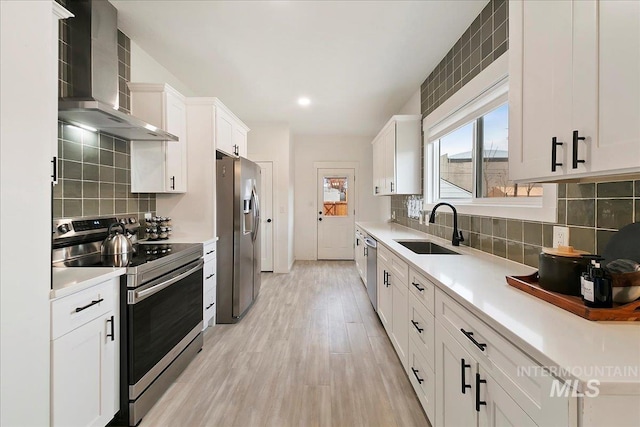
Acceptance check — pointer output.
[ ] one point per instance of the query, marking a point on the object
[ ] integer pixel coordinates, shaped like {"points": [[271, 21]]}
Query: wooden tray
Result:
{"points": [[619, 312]]}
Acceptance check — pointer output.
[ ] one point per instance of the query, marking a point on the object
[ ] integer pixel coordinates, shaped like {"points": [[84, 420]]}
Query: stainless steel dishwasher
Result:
{"points": [[372, 267]]}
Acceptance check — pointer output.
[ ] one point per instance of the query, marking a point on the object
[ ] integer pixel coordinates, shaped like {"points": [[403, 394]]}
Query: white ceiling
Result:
{"points": [[358, 61]]}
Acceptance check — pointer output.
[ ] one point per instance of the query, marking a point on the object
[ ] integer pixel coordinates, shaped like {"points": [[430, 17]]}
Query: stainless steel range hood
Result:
{"points": [[93, 42]]}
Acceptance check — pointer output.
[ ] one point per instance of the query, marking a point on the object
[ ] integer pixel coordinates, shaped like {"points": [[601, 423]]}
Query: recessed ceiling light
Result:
{"points": [[304, 101]]}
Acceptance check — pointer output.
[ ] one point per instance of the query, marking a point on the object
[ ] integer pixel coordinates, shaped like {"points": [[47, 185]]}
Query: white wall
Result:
{"points": [[145, 69], [28, 113], [413, 104], [272, 143], [310, 149]]}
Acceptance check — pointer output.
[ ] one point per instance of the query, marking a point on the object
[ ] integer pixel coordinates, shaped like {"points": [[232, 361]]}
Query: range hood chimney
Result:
{"points": [[93, 102]]}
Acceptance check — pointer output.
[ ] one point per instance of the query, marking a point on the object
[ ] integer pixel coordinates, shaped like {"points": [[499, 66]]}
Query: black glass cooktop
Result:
{"points": [[142, 254]]}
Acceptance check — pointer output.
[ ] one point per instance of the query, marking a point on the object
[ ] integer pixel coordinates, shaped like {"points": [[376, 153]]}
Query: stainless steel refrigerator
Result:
{"points": [[238, 228]]}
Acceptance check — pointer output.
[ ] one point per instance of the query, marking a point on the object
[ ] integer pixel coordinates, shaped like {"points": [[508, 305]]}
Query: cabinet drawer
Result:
{"points": [[73, 311], [423, 289], [422, 329], [209, 271], [396, 265], [423, 380], [209, 251], [504, 362]]}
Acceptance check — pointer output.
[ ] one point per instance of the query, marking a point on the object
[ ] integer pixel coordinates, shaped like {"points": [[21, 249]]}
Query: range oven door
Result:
{"points": [[163, 317]]}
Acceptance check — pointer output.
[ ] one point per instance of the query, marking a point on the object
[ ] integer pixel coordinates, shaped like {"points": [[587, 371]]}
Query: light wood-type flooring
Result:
{"points": [[310, 352]]}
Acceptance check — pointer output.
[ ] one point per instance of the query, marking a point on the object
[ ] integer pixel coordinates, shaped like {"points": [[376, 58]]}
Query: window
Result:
{"points": [[473, 160], [467, 154], [335, 196]]}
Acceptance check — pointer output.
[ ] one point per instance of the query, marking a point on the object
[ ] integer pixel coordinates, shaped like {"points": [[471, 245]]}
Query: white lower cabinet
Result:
{"points": [[385, 294], [494, 373], [360, 255], [400, 319], [423, 378], [84, 356], [209, 285], [467, 394], [393, 300]]}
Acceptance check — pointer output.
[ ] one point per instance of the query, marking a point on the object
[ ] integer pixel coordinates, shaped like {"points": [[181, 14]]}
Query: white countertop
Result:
{"points": [[585, 350], [69, 280]]}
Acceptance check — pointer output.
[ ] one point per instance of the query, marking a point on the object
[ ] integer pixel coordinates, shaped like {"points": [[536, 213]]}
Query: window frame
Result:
{"points": [[486, 92]]}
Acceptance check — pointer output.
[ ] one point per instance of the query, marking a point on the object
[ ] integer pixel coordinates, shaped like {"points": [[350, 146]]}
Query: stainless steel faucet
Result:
{"points": [[457, 235]]}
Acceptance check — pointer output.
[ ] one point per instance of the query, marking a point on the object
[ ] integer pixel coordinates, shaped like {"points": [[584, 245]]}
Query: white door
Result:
{"points": [[336, 213], [266, 208]]}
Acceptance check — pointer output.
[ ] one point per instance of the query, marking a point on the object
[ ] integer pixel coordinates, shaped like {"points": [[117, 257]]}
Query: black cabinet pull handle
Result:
{"points": [[357, 242], [478, 401], [209, 276], [210, 305], [112, 334], [377, 190], [392, 187], [464, 385], [98, 301], [209, 253], [415, 372], [469, 335], [173, 182], [554, 153], [576, 138], [55, 169], [418, 328], [418, 287]]}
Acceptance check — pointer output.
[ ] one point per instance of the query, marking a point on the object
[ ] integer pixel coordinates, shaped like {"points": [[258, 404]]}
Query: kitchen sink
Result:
{"points": [[425, 247]]}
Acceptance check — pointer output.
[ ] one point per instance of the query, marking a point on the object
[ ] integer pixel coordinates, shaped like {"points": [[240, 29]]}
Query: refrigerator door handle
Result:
{"points": [[256, 213]]}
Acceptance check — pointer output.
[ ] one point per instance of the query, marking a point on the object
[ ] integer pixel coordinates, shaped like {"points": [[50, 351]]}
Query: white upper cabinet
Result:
{"points": [[396, 157], [574, 89], [231, 133], [159, 166]]}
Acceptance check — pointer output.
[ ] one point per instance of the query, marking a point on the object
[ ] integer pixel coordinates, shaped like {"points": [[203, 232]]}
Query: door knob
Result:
{"points": [[320, 213], [319, 219], [269, 220]]}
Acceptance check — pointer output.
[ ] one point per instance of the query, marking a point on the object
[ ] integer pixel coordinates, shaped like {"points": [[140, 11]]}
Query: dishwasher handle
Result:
{"points": [[370, 242]]}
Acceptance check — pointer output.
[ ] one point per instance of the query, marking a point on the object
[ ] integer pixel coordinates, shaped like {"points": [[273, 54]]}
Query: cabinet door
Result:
{"points": [[454, 383], [389, 158], [176, 151], [607, 85], [83, 375], [385, 297], [240, 140], [499, 409], [224, 132], [378, 166], [540, 85], [400, 321]]}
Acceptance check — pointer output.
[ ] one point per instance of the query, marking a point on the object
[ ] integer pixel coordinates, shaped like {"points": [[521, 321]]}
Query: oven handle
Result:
{"points": [[137, 296]]}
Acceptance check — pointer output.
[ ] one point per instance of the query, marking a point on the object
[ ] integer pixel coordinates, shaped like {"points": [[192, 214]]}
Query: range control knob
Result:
{"points": [[123, 221], [132, 220], [63, 228]]}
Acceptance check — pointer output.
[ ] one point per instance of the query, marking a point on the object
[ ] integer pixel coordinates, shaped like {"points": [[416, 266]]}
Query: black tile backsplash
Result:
{"points": [[593, 211]]}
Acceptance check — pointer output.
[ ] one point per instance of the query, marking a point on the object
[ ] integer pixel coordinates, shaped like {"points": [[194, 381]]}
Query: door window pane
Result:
{"points": [[456, 163], [335, 196]]}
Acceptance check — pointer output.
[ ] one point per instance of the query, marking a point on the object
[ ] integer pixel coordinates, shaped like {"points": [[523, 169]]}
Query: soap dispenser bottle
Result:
{"points": [[596, 285]]}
